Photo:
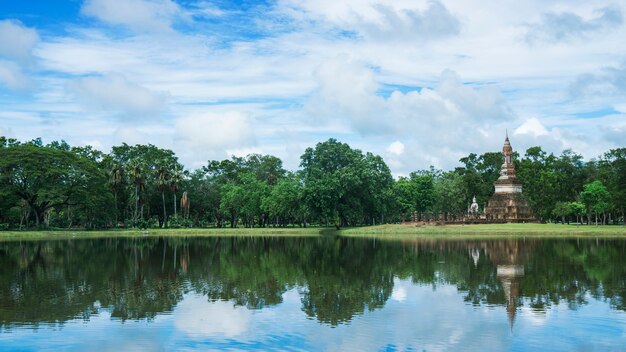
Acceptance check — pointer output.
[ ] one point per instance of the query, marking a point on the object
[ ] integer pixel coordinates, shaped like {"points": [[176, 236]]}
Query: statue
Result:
{"points": [[474, 207]]}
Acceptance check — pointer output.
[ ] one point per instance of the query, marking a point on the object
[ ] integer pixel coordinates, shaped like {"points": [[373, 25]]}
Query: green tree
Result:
{"points": [[283, 201], [177, 177], [148, 201], [340, 183], [479, 173], [116, 182], [48, 178], [612, 171], [162, 183], [137, 177], [424, 189], [405, 193], [562, 210], [450, 193], [596, 198], [232, 201], [578, 209]]}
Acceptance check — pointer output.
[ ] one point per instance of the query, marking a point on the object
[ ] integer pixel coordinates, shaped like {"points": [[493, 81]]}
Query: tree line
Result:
{"points": [[56, 185]]}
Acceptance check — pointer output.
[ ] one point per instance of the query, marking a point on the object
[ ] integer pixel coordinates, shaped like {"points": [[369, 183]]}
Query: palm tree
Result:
{"points": [[135, 172], [116, 180], [175, 180], [162, 182]]}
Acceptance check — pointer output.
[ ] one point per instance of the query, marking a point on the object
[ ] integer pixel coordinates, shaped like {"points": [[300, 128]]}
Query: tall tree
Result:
{"points": [[612, 171], [138, 178], [162, 183], [116, 181], [176, 179]]}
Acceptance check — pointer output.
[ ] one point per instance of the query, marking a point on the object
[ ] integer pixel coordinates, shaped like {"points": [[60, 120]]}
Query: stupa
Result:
{"points": [[507, 204]]}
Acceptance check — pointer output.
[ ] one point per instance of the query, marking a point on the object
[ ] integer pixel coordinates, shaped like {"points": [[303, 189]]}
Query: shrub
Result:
{"points": [[176, 222]]}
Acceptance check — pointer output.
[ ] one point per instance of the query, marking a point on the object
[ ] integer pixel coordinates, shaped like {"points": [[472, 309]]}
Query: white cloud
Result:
{"points": [[378, 20], [16, 54], [396, 148], [114, 93], [306, 70], [12, 76], [130, 135], [556, 27], [398, 293], [242, 152], [214, 134], [390, 23], [17, 41], [138, 15], [200, 319], [349, 90], [440, 124], [609, 81], [615, 134], [532, 126]]}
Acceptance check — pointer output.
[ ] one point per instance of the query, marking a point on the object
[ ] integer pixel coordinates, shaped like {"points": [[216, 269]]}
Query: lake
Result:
{"points": [[313, 293]]}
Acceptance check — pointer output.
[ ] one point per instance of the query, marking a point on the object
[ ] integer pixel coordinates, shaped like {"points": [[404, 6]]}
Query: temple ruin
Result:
{"points": [[507, 204]]}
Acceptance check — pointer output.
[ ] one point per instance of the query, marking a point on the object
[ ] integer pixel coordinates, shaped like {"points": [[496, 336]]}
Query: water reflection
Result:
{"points": [[335, 279]]}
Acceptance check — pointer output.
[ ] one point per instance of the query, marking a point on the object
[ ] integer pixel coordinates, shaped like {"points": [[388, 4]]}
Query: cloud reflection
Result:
{"points": [[198, 318]]}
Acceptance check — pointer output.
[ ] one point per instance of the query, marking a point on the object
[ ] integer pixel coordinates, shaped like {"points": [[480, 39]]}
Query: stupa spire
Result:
{"points": [[507, 203]]}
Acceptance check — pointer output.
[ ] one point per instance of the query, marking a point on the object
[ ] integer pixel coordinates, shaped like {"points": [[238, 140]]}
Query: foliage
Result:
{"points": [[57, 185], [345, 184], [177, 222], [596, 198], [50, 179]]}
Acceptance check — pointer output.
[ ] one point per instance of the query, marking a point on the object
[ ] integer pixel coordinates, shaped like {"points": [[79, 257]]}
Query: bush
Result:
{"points": [[4, 227], [151, 223], [176, 222]]}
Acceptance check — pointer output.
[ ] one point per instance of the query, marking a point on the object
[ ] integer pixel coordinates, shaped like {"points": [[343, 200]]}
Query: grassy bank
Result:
{"points": [[194, 232], [486, 230], [382, 231]]}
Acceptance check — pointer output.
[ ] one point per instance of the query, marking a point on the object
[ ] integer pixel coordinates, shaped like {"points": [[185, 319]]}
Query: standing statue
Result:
{"points": [[184, 205]]}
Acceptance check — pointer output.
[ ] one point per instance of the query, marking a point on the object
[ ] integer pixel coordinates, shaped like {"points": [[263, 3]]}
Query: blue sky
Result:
{"points": [[419, 82]]}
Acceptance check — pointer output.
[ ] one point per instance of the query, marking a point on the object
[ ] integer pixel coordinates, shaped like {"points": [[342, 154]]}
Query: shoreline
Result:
{"points": [[389, 232]]}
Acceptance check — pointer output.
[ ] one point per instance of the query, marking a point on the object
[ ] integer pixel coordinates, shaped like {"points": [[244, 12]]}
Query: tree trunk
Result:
{"points": [[136, 204], [175, 213], [115, 196], [164, 212], [36, 217]]}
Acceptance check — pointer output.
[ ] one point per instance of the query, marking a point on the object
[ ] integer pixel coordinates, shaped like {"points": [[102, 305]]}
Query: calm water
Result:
{"points": [[312, 294]]}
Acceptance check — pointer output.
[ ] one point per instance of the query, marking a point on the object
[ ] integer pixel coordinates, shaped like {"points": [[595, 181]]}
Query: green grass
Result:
{"points": [[194, 232], [551, 230], [382, 232]]}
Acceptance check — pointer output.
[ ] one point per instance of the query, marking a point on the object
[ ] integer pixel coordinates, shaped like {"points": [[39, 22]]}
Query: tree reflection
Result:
{"points": [[338, 278]]}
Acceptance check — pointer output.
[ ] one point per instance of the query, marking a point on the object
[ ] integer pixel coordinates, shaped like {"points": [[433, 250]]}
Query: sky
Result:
{"points": [[420, 83]]}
